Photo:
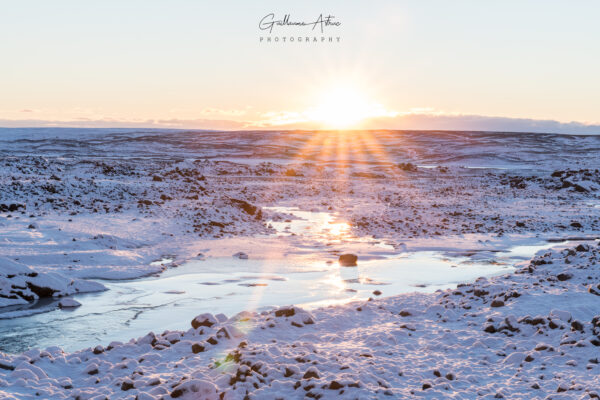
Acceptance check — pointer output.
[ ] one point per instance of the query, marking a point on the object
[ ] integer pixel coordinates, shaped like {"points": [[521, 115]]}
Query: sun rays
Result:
{"points": [[343, 159]]}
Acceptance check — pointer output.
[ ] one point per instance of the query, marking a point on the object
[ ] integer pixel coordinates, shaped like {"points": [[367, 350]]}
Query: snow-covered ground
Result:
{"points": [[524, 335], [79, 207]]}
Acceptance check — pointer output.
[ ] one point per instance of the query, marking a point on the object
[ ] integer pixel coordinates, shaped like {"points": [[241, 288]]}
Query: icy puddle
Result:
{"points": [[229, 285]]}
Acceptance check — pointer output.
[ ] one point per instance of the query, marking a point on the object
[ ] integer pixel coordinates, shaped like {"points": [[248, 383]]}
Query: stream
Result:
{"points": [[228, 285]]}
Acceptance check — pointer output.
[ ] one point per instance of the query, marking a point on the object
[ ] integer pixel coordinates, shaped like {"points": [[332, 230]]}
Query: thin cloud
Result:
{"points": [[430, 119], [413, 120], [115, 123], [438, 121], [222, 112]]}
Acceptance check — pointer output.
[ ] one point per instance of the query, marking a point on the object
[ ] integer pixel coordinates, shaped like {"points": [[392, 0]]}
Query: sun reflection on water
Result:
{"points": [[338, 228]]}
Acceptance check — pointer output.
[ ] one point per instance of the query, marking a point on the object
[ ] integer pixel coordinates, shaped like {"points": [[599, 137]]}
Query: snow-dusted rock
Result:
{"points": [[564, 316], [68, 303], [195, 389], [241, 255], [19, 284], [207, 320]]}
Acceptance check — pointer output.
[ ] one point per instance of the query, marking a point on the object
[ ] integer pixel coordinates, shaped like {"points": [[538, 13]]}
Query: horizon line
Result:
{"points": [[299, 130]]}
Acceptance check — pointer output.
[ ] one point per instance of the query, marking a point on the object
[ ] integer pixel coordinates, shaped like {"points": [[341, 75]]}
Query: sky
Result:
{"points": [[424, 64]]}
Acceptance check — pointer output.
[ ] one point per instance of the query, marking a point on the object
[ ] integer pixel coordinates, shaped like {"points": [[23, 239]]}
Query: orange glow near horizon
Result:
{"points": [[339, 108], [344, 107]]}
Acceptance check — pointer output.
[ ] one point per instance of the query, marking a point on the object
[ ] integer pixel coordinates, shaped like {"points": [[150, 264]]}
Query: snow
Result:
{"points": [[20, 284], [362, 349], [74, 211], [68, 303]]}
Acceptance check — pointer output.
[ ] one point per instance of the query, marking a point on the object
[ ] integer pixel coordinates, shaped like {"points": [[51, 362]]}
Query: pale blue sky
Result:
{"points": [[196, 60]]}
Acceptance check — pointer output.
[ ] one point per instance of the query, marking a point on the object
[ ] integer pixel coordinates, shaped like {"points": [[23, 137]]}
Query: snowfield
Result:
{"points": [[531, 334], [78, 208]]}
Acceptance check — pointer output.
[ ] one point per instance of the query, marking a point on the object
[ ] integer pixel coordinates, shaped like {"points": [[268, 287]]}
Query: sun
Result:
{"points": [[343, 108]]}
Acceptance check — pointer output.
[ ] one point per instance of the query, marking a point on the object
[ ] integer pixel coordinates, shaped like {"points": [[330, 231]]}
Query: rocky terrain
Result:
{"points": [[531, 334], [72, 210]]}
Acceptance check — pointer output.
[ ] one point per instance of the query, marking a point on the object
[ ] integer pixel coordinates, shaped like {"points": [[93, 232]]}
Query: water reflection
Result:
{"points": [[229, 285], [218, 285]]}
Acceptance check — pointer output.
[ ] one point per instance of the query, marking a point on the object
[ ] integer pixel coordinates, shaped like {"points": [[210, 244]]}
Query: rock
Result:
{"points": [[300, 317], [348, 260], [564, 276], [515, 358], [244, 205], [98, 349], [510, 323], [11, 207], [582, 247], [126, 385], [196, 389], [497, 303], [285, 312], [197, 348], [576, 224], [203, 320], [292, 172], [310, 373], [335, 385], [405, 313], [241, 255], [221, 318], [91, 369], [32, 226], [561, 315], [553, 325], [150, 339], [377, 293], [228, 332], [213, 341], [577, 326], [408, 167], [41, 291], [157, 178], [68, 303], [595, 290]]}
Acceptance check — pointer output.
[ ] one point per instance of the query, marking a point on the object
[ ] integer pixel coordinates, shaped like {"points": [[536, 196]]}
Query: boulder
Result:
{"points": [[348, 260], [497, 303], [561, 315], [68, 303], [564, 276], [204, 320]]}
